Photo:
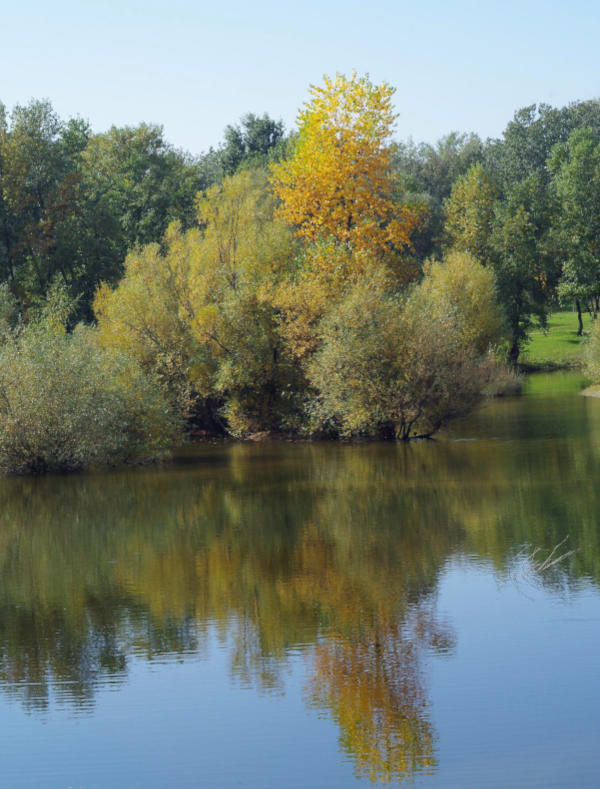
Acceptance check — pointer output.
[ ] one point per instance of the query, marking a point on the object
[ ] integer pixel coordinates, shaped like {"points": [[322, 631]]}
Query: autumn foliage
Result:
{"points": [[339, 181], [292, 304], [289, 307]]}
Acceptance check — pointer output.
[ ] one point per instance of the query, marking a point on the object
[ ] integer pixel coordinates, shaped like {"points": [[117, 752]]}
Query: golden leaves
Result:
{"points": [[339, 182]]}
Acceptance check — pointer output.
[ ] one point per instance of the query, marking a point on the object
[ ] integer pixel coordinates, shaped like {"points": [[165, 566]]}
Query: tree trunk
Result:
{"points": [[579, 318]]}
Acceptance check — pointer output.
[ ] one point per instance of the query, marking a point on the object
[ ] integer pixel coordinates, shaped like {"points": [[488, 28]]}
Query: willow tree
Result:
{"points": [[198, 313]]}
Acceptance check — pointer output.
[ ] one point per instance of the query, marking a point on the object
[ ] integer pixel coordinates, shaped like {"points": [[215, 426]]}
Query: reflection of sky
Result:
{"points": [[519, 702], [177, 723]]}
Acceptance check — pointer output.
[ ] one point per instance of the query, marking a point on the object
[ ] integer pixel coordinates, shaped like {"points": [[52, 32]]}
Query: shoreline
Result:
{"points": [[591, 391]]}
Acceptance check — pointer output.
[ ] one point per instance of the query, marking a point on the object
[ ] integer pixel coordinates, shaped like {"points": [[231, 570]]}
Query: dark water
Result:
{"points": [[313, 615]]}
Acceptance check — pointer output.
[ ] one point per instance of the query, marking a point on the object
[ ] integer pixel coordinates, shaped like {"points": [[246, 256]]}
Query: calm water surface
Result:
{"points": [[313, 615]]}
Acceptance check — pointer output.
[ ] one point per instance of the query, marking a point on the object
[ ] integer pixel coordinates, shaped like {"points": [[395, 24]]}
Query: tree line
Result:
{"points": [[328, 281], [73, 203]]}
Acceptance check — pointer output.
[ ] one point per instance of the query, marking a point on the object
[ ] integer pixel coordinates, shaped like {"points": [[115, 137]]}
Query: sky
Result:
{"points": [[196, 66]]}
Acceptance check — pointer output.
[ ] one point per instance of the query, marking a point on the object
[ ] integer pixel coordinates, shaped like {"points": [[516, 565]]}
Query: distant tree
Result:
{"points": [[526, 143], [142, 180], [470, 214], [6, 230], [530, 136], [37, 185], [72, 204], [526, 273], [253, 141], [575, 168], [428, 172]]}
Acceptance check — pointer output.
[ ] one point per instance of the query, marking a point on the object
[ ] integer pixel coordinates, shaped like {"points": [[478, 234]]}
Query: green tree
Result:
{"points": [[72, 204], [255, 140], [575, 168], [36, 171], [427, 173], [145, 182], [134, 185], [530, 136], [524, 264], [470, 214]]}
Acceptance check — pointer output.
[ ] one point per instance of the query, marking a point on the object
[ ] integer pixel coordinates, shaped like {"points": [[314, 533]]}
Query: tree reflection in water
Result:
{"points": [[331, 551], [373, 685]]}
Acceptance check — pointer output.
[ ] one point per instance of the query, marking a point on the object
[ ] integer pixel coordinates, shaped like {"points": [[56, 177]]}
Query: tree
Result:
{"points": [[72, 204], [575, 168], [526, 143], [528, 250], [529, 137], [470, 214], [244, 254], [523, 261], [428, 172], [35, 181], [198, 312], [339, 181], [148, 316], [137, 177], [253, 141]]}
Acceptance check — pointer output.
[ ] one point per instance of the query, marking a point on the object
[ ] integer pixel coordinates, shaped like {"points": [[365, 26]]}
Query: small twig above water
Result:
{"points": [[531, 564]]}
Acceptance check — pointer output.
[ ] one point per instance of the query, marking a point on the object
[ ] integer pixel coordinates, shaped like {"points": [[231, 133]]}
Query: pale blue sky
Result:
{"points": [[196, 66]]}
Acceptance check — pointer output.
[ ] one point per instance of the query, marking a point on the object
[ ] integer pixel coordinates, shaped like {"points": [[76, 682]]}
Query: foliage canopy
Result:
{"points": [[339, 181]]}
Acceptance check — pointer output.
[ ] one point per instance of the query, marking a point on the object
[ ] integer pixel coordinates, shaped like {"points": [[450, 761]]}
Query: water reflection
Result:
{"points": [[372, 682], [331, 551]]}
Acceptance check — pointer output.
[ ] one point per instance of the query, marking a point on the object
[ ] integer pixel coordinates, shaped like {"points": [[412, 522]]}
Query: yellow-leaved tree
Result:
{"points": [[339, 182]]}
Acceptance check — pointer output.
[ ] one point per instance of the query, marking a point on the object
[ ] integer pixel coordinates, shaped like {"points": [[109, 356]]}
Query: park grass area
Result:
{"points": [[557, 346]]}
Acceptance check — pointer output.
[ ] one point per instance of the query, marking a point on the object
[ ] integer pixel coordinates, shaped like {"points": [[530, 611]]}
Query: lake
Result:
{"points": [[314, 614]]}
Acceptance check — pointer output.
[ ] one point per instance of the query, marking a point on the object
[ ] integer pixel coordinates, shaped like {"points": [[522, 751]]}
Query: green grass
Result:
{"points": [[558, 346]]}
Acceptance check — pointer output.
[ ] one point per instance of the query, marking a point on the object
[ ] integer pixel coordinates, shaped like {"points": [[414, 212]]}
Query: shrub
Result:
{"points": [[461, 285], [66, 404], [392, 367]]}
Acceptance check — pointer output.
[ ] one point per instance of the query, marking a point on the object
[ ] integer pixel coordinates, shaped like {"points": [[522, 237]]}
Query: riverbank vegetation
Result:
{"points": [[66, 402], [326, 282]]}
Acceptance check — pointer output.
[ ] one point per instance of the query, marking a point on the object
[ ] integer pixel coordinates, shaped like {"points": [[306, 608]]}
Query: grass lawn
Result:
{"points": [[559, 345]]}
